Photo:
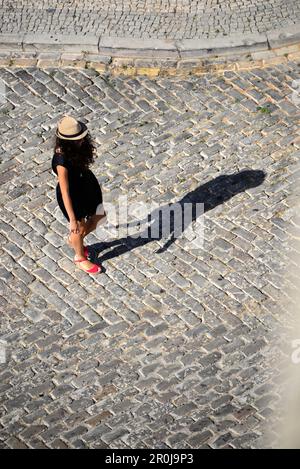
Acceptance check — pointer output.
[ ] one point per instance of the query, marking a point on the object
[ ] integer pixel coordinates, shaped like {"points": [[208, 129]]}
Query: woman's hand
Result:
{"points": [[74, 227]]}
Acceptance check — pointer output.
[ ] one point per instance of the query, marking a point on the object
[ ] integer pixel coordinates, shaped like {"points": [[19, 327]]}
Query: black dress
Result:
{"points": [[84, 188]]}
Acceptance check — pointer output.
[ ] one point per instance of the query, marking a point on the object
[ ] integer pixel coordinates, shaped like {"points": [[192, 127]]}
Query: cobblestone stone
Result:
{"points": [[167, 348], [154, 19]]}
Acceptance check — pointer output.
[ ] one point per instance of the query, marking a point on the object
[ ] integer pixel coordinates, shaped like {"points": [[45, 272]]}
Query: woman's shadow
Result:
{"points": [[210, 194]]}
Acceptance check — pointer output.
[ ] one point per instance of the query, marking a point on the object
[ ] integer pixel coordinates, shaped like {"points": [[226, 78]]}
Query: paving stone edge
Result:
{"points": [[153, 57]]}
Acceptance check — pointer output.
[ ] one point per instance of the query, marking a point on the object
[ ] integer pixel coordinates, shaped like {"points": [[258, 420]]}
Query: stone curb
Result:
{"points": [[133, 56], [28, 42], [124, 47], [130, 67], [137, 46]]}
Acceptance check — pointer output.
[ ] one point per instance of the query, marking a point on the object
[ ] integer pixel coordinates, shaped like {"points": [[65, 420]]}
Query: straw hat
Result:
{"points": [[69, 128]]}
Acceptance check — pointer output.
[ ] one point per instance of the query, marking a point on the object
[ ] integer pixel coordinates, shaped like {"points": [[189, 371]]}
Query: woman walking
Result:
{"points": [[78, 192]]}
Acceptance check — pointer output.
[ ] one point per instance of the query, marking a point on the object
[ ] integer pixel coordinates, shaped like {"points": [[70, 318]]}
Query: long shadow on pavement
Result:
{"points": [[210, 194]]}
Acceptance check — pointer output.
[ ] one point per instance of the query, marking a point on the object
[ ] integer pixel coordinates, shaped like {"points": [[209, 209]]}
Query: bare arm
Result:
{"points": [[62, 173]]}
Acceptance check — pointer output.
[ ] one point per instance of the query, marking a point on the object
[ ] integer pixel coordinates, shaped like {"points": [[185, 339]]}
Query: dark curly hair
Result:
{"points": [[80, 156]]}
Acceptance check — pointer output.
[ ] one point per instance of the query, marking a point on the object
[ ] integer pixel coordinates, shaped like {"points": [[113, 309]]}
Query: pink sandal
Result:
{"points": [[93, 270]]}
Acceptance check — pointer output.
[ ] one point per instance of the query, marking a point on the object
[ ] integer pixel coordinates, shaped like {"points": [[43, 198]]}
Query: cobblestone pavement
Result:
{"points": [[178, 348], [175, 19]]}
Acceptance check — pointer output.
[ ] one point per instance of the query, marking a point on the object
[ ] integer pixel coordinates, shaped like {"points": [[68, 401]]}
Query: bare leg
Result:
{"points": [[92, 222], [76, 241], [89, 225], [83, 224]]}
